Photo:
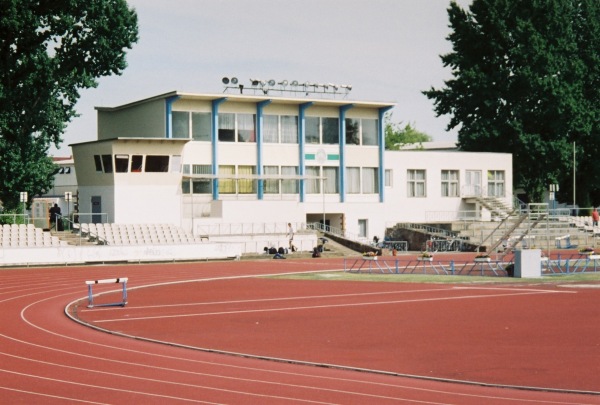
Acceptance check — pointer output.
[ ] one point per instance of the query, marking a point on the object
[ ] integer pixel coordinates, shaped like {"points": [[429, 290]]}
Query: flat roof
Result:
{"points": [[242, 98]]}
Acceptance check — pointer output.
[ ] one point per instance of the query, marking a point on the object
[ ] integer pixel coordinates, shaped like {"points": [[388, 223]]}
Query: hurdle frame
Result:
{"points": [[121, 280]]}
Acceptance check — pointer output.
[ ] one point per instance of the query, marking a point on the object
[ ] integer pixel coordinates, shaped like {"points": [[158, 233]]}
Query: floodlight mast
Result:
{"points": [[283, 87]]}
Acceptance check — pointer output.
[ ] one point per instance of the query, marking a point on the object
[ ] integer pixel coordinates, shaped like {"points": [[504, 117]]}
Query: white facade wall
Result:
{"points": [[158, 197]]}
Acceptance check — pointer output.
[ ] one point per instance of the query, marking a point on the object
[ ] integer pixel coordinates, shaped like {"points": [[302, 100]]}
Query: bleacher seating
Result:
{"points": [[21, 235], [136, 234]]}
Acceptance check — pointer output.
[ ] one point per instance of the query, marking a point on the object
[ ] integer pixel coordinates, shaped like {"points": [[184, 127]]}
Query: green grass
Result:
{"points": [[417, 278]]}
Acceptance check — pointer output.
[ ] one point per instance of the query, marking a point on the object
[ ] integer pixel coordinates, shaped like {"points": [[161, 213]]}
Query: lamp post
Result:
{"points": [[23, 199], [68, 198]]}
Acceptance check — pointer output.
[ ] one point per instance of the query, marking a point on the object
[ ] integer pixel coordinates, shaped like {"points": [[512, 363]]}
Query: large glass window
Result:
{"points": [[331, 181], [156, 164], [289, 186], [289, 129], [312, 130], [352, 131], [227, 127], [370, 180], [271, 186], [98, 163], [369, 132], [416, 183], [246, 124], [107, 163], [495, 183], [121, 163], [137, 163], [353, 180], [246, 183], [450, 183], [181, 124], [331, 130], [201, 126], [227, 185], [271, 128], [313, 186], [202, 186]]}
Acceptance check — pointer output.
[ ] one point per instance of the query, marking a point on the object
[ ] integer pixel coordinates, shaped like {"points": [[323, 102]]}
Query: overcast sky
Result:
{"points": [[388, 50]]}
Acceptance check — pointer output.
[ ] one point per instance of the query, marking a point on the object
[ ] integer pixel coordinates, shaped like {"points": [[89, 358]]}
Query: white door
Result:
{"points": [[473, 183]]}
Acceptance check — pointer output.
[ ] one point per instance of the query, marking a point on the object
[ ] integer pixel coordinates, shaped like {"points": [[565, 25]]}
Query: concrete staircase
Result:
{"points": [[72, 239]]}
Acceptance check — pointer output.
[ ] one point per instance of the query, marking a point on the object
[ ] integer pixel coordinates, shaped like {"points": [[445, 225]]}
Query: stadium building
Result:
{"points": [[214, 162]]}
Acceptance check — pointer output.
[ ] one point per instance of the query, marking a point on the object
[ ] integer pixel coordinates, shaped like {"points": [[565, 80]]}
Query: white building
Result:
{"points": [[204, 161]]}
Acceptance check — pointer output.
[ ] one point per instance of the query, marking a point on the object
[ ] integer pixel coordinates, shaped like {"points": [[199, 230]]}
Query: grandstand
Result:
{"points": [[21, 235]]}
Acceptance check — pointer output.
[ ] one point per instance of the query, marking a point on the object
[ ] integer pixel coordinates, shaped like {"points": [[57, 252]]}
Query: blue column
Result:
{"points": [[169, 115], [259, 144], [214, 138], [342, 168], [381, 140], [301, 145]]}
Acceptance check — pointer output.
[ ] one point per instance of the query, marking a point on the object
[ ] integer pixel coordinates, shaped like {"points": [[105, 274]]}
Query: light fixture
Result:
{"points": [[294, 83], [283, 83], [234, 80], [271, 82], [255, 82], [225, 80]]}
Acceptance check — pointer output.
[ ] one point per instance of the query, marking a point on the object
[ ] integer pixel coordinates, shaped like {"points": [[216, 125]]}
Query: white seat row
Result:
{"points": [[137, 234]]}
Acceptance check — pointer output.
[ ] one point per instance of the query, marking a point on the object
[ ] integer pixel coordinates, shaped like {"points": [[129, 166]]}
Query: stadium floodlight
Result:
{"points": [[225, 80], [271, 82], [234, 80], [283, 83], [255, 82], [294, 83]]}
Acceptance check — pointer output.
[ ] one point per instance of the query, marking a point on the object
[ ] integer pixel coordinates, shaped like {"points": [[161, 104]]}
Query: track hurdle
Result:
{"points": [[122, 280]]}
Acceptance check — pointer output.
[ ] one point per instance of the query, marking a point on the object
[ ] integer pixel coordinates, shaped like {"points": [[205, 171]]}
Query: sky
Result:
{"points": [[388, 50]]}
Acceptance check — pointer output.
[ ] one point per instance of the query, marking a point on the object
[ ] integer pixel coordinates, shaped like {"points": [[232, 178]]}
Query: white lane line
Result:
{"points": [[320, 306]]}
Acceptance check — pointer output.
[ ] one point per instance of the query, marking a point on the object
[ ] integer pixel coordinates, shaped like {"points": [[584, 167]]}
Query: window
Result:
{"points": [[157, 164], [121, 163], [227, 185], [331, 181], [369, 132], [313, 186], [289, 129], [271, 186], [271, 128], [67, 170], [389, 179], [227, 127], [107, 163], [181, 124], [289, 186], [98, 163], [416, 183], [312, 130], [370, 181], [246, 124], [331, 131], [202, 186], [353, 180], [246, 185], [352, 131], [450, 183], [137, 163], [185, 187], [495, 183], [201, 126], [362, 228]]}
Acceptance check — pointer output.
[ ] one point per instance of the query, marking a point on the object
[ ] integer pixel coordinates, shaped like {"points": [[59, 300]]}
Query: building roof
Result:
{"points": [[242, 98]]}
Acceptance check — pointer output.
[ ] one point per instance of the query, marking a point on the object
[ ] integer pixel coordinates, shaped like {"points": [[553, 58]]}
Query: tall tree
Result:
{"points": [[396, 136], [49, 51], [526, 80]]}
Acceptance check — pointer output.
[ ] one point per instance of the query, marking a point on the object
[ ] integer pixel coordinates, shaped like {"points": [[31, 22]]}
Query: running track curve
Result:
{"points": [[46, 358]]}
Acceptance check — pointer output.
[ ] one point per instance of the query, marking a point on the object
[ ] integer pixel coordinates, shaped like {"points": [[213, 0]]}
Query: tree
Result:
{"points": [[49, 50], [526, 80], [396, 136]]}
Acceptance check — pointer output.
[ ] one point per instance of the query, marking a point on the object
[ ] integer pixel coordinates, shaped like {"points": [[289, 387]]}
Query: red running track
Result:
{"points": [[47, 358]]}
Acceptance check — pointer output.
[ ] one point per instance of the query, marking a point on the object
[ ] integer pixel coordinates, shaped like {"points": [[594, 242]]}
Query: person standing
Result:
{"points": [[290, 236], [595, 217], [55, 214]]}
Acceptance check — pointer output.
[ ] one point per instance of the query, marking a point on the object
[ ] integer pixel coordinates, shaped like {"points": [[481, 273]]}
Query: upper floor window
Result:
{"points": [[370, 180], [416, 183], [369, 132], [450, 184], [495, 186], [352, 131]]}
